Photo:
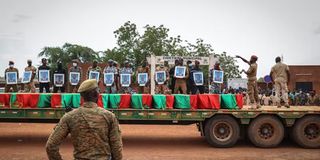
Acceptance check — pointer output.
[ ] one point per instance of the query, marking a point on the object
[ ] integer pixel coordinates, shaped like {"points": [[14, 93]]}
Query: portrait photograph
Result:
{"points": [[198, 78], [94, 75], [125, 80], [44, 76], [12, 77], [161, 77], [180, 71], [58, 80], [74, 78], [217, 76], [142, 79], [108, 79], [26, 76]]}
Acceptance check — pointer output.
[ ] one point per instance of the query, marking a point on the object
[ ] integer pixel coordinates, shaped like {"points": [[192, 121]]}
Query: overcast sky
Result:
{"points": [[267, 28]]}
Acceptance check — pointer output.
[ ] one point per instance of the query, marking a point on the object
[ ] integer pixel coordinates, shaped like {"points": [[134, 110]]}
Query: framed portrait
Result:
{"points": [[180, 71], [217, 76], [58, 80], [125, 80], [12, 77], [108, 79], [142, 79], [44, 76], [26, 76], [161, 77], [94, 75], [198, 78], [74, 78]]}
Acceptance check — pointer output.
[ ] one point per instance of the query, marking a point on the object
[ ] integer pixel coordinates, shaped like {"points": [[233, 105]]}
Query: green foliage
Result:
{"points": [[228, 64]]}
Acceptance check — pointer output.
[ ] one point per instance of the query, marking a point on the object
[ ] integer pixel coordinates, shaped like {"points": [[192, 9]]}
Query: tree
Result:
{"points": [[228, 64]]}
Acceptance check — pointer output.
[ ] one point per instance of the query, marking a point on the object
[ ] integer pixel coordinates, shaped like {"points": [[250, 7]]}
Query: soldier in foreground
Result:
{"points": [[280, 76], [252, 80], [94, 131]]}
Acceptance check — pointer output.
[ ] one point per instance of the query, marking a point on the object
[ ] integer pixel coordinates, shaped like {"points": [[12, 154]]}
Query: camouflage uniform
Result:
{"points": [[30, 87], [96, 69], [74, 88], [114, 70], [279, 75], [162, 88], [143, 89], [126, 70], [9, 86], [252, 84], [94, 132], [182, 83]]}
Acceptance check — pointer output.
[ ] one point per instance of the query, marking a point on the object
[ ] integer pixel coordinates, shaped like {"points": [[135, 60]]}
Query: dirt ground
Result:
{"points": [[145, 142]]}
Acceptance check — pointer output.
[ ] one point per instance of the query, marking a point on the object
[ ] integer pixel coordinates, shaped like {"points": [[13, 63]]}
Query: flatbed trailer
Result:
{"points": [[265, 127]]}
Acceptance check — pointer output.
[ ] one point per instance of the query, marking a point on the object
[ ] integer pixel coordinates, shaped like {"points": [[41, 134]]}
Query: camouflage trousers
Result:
{"points": [[180, 84], [29, 87], [161, 88], [253, 92], [74, 88], [9, 86], [281, 90]]}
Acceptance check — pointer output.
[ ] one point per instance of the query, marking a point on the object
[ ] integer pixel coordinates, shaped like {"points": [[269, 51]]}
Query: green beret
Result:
{"points": [[88, 85]]}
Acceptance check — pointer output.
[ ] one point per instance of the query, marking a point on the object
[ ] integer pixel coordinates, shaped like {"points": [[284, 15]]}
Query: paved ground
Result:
{"points": [[27, 141]]}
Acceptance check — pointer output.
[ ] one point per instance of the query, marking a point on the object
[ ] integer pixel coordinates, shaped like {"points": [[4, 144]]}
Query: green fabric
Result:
{"points": [[105, 100], [136, 101], [114, 100], [159, 101], [182, 101], [44, 101], [70, 100], [13, 99], [228, 101]]}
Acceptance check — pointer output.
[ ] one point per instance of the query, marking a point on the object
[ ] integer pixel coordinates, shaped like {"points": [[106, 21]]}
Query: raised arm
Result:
{"points": [[244, 60]]}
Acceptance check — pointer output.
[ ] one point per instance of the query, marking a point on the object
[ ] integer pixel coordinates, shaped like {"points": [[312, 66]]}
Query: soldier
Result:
{"points": [[57, 87], [95, 132], [143, 69], [45, 85], [215, 87], [162, 88], [126, 70], [77, 69], [171, 72], [111, 69], [194, 87], [181, 83], [11, 79], [30, 86], [116, 76], [189, 81], [95, 68], [252, 80], [280, 77]]}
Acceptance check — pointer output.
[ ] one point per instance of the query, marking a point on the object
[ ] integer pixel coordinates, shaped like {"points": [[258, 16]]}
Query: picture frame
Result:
{"points": [[44, 76], [58, 80], [161, 77], [180, 71], [198, 78], [108, 79], [125, 80], [26, 76], [94, 75], [11, 77], [74, 78], [217, 76], [142, 79]]}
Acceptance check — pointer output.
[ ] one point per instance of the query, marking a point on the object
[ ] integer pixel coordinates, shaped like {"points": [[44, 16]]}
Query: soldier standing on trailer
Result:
{"points": [[60, 70], [45, 85], [111, 69], [94, 68], [143, 69], [162, 88], [173, 79], [9, 86], [30, 86], [75, 68], [280, 77], [194, 87], [181, 83], [252, 80]]}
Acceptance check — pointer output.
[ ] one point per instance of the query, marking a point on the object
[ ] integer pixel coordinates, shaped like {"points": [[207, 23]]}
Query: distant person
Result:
{"points": [[11, 79], [95, 132], [280, 76], [195, 88], [143, 69], [181, 83], [30, 87], [75, 69], [215, 87], [127, 69], [110, 68], [189, 81], [171, 73], [162, 88], [44, 85], [252, 80], [60, 70], [94, 68]]}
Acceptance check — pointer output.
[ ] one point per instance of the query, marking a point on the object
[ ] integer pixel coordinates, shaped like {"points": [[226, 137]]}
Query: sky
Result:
{"points": [[266, 28]]}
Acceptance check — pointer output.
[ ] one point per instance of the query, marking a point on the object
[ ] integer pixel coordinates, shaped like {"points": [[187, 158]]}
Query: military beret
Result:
{"points": [[11, 62], [254, 57], [88, 85]]}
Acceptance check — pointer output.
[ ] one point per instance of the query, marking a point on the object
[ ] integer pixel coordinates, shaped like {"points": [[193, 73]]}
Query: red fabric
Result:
{"points": [[27, 100], [81, 101], [214, 100], [5, 100], [56, 101], [100, 103], [147, 100], [194, 102], [33, 100], [125, 101], [239, 99], [203, 102], [169, 101]]}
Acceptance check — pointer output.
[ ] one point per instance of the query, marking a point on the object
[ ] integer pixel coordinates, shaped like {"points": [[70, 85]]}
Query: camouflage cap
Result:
{"points": [[88, 85]]}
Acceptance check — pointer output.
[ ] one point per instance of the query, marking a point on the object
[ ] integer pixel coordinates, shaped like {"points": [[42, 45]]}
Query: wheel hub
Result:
{"points": [[312, 131], [222, 131], [266, 131]]}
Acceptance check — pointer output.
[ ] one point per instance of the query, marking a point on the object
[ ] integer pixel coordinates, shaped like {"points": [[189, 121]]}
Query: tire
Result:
{"points": [[306, 132], [266, 131], [222, 131]]}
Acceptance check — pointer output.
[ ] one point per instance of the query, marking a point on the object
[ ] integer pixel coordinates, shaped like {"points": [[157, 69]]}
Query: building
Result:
{"points": [[304, 77]]}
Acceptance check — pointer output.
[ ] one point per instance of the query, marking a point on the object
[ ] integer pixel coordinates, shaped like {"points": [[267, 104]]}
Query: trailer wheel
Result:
{"points": [[306, 132], [266, 131], [222, 131]]}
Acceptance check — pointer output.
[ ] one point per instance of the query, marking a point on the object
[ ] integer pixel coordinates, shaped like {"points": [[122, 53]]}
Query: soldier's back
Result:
{"points": [[279, 71]]}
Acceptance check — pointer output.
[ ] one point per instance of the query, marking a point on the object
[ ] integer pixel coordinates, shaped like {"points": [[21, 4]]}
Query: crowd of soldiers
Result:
{"points": [[171, 84]]}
